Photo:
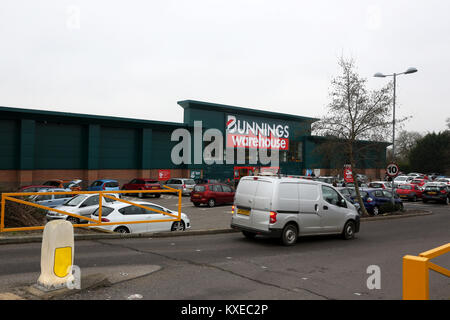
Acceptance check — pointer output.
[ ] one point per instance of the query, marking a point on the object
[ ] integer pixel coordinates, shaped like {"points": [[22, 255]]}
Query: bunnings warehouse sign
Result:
{"points": [[252, 134]]}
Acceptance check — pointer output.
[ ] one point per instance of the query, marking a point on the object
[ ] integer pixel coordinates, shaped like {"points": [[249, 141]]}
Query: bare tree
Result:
{"points": [[356, 114], [405, 142]]}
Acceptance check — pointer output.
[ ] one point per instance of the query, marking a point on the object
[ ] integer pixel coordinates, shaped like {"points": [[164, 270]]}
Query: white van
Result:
{"points": [[290, 207]]}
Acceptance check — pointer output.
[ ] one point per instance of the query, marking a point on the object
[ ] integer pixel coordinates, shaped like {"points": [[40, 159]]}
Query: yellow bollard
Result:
{"points": [[56, 255], [415, 278]]}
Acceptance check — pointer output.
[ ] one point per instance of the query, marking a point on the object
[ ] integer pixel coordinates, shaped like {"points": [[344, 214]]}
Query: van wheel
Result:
{"points": [[211, 203], [249, 235], [349, 230], [289, 235]]}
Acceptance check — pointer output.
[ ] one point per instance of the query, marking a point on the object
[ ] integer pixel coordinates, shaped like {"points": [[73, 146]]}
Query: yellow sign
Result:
{"points": [[63, 261]]}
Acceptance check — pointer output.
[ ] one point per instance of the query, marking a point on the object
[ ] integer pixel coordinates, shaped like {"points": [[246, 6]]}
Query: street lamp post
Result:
{"points": [[394, 75]]}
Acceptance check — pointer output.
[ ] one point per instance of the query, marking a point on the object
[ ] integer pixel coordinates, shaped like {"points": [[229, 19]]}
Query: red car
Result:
{"points": [[212, 194], [409, 191], [143, 184], [419, 182], [33, 188]]}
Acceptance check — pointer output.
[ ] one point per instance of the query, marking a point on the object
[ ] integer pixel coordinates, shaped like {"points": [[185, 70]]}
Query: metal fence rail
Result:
{"points": [[93, 222], [416, 278]]}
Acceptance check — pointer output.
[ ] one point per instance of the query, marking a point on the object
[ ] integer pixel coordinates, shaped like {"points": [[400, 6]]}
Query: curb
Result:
{"points": [[105, 236], [29, 239]]}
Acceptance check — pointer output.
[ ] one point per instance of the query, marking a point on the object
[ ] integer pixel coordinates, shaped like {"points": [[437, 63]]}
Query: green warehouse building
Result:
{"points": [[43, 145]]}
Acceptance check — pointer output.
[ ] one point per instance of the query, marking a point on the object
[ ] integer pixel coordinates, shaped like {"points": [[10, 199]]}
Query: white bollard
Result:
{"points": [[56, 255]]}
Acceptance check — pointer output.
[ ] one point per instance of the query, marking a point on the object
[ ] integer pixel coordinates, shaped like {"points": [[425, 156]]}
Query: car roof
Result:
{"points": [[106, 180]]}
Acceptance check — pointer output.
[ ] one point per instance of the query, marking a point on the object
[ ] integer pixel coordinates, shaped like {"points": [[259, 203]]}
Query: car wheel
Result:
{"points": [[376, 211], [424, 201], [249, 235], [289, 235], [73, 220], [349, 230], [447, 201], [158, 195], [414, 199], [178, 226], [121, 230], [140, 195], [211, 203]]}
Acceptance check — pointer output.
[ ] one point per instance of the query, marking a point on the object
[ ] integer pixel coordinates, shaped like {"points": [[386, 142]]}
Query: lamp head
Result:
{"points": [[410, 70], [379, 75]]}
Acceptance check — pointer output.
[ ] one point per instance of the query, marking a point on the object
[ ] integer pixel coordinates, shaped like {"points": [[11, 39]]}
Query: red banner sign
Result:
{"points": [[164, 174]]}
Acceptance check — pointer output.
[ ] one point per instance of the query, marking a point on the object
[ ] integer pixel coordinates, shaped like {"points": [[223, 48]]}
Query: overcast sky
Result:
{"points": [[138, 58]]}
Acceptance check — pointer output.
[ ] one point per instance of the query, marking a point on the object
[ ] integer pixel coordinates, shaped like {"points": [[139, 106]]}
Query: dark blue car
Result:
{"points": [[104, 185], [376, 200]]}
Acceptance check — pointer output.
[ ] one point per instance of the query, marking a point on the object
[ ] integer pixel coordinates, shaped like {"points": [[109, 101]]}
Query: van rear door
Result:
{"points": [[260, 214], [243, 202]]}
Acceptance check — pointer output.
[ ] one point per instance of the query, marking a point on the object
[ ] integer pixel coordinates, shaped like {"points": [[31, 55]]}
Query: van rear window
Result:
{"points": [[247, 187]]}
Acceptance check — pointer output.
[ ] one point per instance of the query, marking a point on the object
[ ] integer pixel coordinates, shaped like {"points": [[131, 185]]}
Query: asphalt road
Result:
{"points": [[228, 266]]}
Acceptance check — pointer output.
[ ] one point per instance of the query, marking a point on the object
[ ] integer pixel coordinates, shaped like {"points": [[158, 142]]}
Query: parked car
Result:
{"points": [[410, 191], [33, 188], [104, 185], [444, 180], [375, 200], [203, 181], [73, 185], [436, 191], [288, 208], [419, 182], [352, 184], [348, 193], [399, 180], [51, 200], [361, 178], [380, 185], [143, 184], [433, 176], [185, 185], [81, 204], [212, 194], [123, 212], [328, 180]]}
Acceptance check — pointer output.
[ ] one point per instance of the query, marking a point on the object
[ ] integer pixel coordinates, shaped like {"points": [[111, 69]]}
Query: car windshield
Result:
{"points": [[401, 178], [75, 201], [405, 187], [189, 181], [199, 188], [151, 182]]}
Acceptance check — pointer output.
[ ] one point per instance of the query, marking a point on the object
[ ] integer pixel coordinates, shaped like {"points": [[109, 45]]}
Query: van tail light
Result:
{"points": [[369, 199], [184, 186], [105, 220], [232, 209], [273, 217], [443, 191]]}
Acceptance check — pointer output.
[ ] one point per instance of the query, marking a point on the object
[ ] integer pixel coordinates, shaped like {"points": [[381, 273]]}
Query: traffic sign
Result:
{"points": [[392, 170]]}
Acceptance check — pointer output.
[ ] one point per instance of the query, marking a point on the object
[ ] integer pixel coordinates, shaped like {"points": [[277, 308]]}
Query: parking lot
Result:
{"points": [[228, 266]]}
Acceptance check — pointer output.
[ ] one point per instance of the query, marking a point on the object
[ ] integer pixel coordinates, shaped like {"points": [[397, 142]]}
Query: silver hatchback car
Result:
{"points": [[185, 185], [290, 207]]}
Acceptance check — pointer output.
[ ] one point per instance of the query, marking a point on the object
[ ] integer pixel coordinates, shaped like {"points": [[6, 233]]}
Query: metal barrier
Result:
{"points": [[93, 222], [416, 285]]}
